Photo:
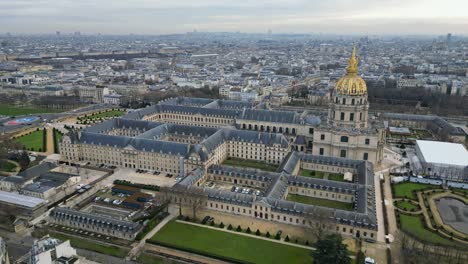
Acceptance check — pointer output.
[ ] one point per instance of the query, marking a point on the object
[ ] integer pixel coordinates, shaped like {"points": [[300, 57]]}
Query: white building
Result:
{"points": [[114, 99], [442, 159], [50, 251]]}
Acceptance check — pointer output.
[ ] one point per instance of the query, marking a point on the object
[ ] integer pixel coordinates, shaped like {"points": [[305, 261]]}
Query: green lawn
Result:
{"points": [[320, 202], [12, 110], [7, 166], [92, 245], [460, 191], [312, 174], [405, 205], [322, 175], [150, 259], [223, 244], [33, 141], [113, 113], [336, 177], [406, 189], [250, 164], [414, 226]]}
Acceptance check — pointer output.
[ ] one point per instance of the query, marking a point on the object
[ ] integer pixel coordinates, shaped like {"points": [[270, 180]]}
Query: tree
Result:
{"points": [[318, 223], [23, 160], [192, 197], [331, 250]]}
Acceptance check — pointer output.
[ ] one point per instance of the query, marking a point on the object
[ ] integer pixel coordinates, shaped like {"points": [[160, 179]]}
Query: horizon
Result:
{"points": [[144, 17]]}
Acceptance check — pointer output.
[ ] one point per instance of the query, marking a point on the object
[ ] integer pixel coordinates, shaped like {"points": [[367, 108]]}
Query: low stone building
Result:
{"points": [[94, 223]]}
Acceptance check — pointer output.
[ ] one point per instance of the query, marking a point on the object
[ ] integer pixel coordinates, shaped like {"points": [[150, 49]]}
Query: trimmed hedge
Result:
{"points": [[138, 185]]}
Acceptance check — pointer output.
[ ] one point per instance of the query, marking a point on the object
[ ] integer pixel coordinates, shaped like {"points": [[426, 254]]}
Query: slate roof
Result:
{"points": [[289, 117], [95, 219]]}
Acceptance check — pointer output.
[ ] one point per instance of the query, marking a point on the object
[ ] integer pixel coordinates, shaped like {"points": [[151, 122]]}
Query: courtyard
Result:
{"points": [[322, 175], [320, 202], [236, 162]]}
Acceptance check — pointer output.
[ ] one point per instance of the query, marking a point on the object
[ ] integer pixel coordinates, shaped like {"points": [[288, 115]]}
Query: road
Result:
{"points": [[391, 219]]}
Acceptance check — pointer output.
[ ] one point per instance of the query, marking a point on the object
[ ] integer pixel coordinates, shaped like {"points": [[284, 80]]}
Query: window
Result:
{"points": [[311, 130], [344, 100], [342, 116], [344, 139], [351, 117], [366, 156], [321, 151], [360, 116], [367, 141], [322, 137], [352, 101], [343, 153], [336, 100]]}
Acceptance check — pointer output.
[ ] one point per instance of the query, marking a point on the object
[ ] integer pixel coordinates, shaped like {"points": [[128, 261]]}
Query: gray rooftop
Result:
{"points": [[22, 200]]}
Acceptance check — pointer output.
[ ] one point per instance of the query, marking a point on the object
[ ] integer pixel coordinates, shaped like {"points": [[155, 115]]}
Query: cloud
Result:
{"points": [[299, 16]]}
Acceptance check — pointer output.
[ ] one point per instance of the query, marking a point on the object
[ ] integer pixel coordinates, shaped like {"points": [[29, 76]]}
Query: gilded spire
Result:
{"points": [[353, 62]]}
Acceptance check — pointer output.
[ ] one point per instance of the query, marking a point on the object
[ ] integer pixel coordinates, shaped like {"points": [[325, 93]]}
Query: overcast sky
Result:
{"points": [[281, 16]]}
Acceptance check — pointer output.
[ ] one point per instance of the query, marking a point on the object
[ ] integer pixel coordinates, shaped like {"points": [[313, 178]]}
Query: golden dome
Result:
{"points": [[351, 83]]}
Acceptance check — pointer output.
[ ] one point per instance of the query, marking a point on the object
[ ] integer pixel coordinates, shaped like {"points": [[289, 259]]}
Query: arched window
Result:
{"points": [[344, 100], [344, 139], [352, 101]]}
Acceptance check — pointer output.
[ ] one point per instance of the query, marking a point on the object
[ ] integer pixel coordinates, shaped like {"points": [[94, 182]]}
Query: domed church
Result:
{"points": [[348, 133]]}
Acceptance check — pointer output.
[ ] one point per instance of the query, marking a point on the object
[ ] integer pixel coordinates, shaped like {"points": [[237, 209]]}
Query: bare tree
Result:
{"points": [[192, 197], [319, 222]]}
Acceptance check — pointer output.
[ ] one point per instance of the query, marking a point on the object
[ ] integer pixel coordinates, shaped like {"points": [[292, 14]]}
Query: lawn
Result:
{"points": [[312, 174], [405, 205], [322, 175], [150, 259], [113, 113], [232, 246], [33, 141], [460, 191], [92, 245], [320, 202], [250, 164], [336, 177], [414, 226], [12, 110], [406, 189], [7, 166]]}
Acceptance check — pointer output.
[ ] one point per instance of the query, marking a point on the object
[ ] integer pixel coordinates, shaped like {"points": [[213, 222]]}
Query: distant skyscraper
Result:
{"points": [[57, 33], [449, 37], [77, 33]]}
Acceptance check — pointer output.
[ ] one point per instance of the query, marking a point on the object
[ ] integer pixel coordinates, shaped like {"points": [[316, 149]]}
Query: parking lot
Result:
{"points": [[144, 177], [234, 188]]}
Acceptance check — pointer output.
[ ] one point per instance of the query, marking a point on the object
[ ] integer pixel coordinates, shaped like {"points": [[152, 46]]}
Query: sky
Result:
{"points": [[381, 17]]}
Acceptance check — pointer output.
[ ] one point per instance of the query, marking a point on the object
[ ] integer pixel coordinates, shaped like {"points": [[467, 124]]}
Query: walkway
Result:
{"points": [[136, 248], [391, 219], [50, 141]]}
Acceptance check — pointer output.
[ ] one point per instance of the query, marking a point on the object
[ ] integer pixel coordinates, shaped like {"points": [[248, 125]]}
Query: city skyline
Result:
{"points": [[297, 16]]}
